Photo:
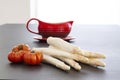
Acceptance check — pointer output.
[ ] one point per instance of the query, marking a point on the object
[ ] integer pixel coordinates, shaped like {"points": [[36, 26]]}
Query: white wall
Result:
{"points": [[14, 11], [81, 11]]}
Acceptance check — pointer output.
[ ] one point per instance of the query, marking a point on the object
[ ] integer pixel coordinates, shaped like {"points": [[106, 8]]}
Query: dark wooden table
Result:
{"points": [[98, 38]]}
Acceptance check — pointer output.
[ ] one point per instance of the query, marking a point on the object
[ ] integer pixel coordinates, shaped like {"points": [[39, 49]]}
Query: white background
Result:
{"points": [[14, 11], [81, 11]]}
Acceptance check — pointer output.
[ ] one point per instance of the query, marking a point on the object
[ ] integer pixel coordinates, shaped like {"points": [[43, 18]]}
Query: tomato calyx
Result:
{"points": [[32, 51]]}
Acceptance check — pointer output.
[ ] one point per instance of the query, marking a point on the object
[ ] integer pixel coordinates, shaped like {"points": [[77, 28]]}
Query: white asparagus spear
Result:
{"points": [[60, 53], [87, 54], [65, 46], [71, 62], [56, 62], [90, 54], [95, 62], [92, 61]]}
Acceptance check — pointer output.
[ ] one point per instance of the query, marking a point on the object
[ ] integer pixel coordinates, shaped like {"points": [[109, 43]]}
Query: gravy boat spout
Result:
{"points": [[71, 22]]}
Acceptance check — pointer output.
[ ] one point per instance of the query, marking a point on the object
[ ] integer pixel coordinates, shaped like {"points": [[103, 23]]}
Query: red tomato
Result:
{"points": [[33, 58], [19, 47], [17, 53], [16, 56]]}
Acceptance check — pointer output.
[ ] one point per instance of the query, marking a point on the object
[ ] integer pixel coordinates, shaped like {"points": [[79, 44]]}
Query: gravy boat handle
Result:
{"points": [[27, 25]]}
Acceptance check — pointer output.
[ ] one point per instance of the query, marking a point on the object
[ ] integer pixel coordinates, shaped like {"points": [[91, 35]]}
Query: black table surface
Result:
{"points": [[97, 38]]}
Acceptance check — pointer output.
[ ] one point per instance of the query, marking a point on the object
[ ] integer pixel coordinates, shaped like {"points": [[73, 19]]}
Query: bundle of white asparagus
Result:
{"points": [[60, 51]]}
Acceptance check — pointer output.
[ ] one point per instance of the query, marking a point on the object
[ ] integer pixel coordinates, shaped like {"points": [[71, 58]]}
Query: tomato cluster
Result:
{"points": [[22, 53]]}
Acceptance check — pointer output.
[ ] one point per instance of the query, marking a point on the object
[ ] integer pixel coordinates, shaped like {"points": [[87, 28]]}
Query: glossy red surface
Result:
{"points": [[46, 29]]}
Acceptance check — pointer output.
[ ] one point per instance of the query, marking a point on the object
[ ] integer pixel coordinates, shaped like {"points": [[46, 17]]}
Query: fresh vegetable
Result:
{"points": [[20, 47], [91, 61], [60, 53], [56, 62], [33, 58], [17, 53], [71, 62], [16, 57], [95, 62], [65, 46], [90, 54]]}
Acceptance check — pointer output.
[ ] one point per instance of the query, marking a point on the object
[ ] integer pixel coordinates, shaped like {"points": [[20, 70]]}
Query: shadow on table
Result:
{"points": [[25, 67]]}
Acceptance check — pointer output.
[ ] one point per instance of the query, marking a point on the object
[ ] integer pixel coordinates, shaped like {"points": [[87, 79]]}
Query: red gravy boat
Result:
{"points": [[46, 29]]}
